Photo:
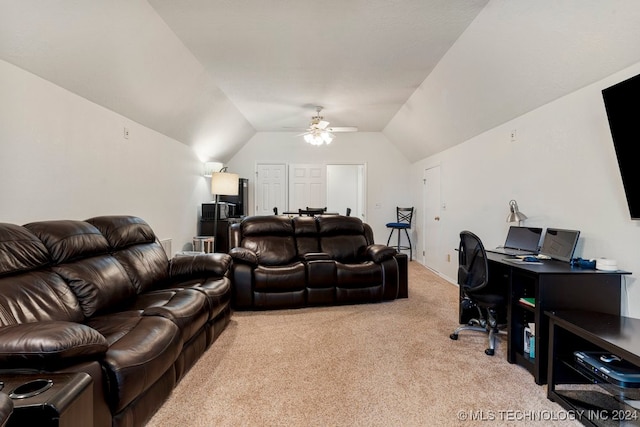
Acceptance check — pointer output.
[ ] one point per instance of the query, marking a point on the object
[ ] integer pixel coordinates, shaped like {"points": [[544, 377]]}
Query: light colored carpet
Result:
{"points": [[388, 364]]}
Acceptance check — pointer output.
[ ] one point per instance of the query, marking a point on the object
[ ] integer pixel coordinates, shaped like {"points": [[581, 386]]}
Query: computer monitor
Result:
{"points": [[560, 244]]}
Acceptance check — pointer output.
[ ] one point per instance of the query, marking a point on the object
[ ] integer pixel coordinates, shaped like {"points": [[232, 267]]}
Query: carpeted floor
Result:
{"points": [[388, 364]]}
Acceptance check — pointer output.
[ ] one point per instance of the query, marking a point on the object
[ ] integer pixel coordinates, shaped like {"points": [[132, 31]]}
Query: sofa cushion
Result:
{"points": [[342, 238], [187, 308], [46, 342], [280, 278], [146, 265], [20, 250], [100, 283], [358, 275], [67, 240], [306, 232], [122, 231], [37, 296], [344, 248], [141, 350], [270, 238], [135, 246]]}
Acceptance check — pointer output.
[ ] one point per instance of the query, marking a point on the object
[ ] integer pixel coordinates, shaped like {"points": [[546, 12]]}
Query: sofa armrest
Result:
{"points": [[379, 253], [199, 265], [244, 256], [39, 343], [314, 256]]}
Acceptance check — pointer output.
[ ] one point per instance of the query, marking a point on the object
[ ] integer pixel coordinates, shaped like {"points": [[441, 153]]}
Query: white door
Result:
{"points": [[432, 213], [307, 186], [271, 188]]}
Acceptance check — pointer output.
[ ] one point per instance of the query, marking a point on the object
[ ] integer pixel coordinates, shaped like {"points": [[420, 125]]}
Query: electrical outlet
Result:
{"points": [[448, 257], [513, 136], [126, 133]]}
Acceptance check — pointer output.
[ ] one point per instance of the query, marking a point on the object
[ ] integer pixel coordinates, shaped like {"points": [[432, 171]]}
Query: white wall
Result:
{"points": [[562, 171], [63, 157], [387, 168]]}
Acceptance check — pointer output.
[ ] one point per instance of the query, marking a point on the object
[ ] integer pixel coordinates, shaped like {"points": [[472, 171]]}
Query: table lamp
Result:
{"points": [[222, 184], [514, 213]]}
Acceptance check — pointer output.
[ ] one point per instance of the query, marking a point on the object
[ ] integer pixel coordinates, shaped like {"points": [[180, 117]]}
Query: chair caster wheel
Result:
{"points": [[453, 336], [489, 352]]}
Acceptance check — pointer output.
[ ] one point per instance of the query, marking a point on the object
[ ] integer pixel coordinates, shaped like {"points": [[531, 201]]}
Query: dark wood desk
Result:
{"points": [[597, 401], [555, 285]]}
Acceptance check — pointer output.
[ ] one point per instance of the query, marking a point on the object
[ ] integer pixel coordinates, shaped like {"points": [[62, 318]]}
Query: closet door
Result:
{"points": [[271, 188], [307, 186]]}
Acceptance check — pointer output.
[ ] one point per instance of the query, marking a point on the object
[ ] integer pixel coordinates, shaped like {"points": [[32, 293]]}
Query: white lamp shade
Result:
{"points": [[224, 184]]}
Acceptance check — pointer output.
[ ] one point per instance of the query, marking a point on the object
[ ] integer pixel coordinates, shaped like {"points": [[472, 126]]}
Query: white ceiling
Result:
{"points": [[427, 73], [360, 59]]}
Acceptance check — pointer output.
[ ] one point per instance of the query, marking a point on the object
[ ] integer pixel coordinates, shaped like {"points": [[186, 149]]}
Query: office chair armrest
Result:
{"points": [[244, 256], [313, 256], [378, 253]]}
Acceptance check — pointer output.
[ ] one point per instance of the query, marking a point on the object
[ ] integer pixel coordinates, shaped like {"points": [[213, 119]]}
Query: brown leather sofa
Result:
{"points": [[100, 296], [281, 262]]}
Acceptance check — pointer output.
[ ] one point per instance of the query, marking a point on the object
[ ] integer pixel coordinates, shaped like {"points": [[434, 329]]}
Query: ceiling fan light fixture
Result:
{"points": [[319, 131], [318, 137]]}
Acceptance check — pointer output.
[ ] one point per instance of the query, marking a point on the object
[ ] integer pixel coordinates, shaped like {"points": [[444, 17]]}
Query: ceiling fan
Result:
{"points": [[319, 131]]}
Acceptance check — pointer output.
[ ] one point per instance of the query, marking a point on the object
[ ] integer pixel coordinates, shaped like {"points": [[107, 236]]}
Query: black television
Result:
{"points": [[622, 103]]}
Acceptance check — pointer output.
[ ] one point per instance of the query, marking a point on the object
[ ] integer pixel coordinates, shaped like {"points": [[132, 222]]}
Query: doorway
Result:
{"points": [[346, 189], [432, 214]]}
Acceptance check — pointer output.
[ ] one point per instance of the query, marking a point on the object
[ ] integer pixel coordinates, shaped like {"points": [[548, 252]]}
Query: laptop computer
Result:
{"points": [[520, 241], [559, 243]]}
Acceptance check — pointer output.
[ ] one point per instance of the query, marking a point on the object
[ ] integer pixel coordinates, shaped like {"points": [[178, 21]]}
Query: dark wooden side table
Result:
{"points": [[49, 399]]}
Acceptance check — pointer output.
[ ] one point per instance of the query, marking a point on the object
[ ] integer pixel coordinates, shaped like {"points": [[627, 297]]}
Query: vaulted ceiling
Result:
{"points": [[212, 73]]}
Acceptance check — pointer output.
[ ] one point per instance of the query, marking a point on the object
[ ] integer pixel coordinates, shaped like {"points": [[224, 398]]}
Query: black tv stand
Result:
{"points": [[593, 400]]}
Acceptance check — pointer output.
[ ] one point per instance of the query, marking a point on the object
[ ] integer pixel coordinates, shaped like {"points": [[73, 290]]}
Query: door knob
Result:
{"points": [[437, 218]]}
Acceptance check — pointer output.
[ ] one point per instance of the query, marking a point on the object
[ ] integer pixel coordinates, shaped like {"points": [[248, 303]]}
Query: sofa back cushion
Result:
{"points": [[81, 257], [342, 237], [37, 296], [69, 240], [29, 290], [306, 232], [270, 237], [20, 250], [135, 246]]}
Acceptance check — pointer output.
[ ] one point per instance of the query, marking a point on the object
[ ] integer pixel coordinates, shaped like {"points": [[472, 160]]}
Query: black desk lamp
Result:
{"points": [[222, 184]]}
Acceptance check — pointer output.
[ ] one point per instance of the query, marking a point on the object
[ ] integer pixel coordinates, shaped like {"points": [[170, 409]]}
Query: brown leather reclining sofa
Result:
{"points": [[281, 262], [100, 296]]}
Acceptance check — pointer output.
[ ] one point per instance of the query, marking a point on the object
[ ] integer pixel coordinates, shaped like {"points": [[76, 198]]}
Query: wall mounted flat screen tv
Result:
{"points": [[622, 102]]}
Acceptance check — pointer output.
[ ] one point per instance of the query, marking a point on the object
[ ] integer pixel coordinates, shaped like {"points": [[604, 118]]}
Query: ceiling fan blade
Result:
{"points": [[322, 124], [343, 129]]}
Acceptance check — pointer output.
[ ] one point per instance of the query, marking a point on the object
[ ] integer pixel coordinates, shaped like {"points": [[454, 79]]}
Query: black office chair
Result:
{"points": [[478, 291], [404, 216], [275, 210]]}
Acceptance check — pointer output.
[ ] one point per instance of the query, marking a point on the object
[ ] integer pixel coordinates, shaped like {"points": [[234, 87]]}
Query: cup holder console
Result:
{"points": [[31, 388]]}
